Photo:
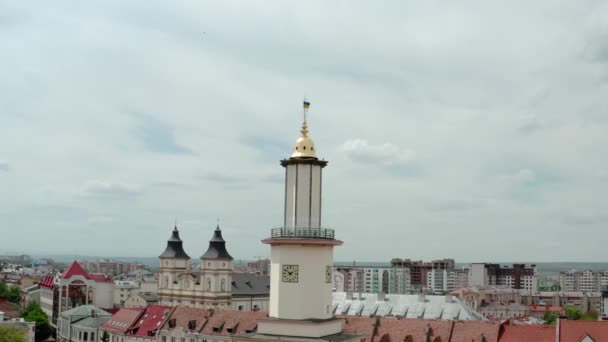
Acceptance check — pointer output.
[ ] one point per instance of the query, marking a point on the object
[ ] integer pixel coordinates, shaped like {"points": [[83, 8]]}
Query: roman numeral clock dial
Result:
{"points": [[290, 273]]}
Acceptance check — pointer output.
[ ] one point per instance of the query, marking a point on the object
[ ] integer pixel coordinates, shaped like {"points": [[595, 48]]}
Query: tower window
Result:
{"points": [[304, 147]]}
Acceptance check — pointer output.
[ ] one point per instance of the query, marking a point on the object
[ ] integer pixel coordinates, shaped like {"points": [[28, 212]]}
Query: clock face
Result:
{"points": [[290, 273], [328, 273]]}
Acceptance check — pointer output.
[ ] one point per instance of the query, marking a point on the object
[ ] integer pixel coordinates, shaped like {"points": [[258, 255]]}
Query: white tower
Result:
{"points": [[302, 252], [216, 273]]}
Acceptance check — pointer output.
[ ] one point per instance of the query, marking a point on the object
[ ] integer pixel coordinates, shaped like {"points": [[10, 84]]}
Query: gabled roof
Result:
{"points": [[175, 247], [47, 282], [122, 320], [217, 247], [577, 330], [74, 270], [150, 320]]}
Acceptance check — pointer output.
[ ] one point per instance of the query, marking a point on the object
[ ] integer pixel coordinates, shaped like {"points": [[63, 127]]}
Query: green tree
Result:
{"points": [[573, 313], [105, 337], [33, 313], [550, 317], [590, 315], [13, 294], [10, 334], [3, 289]]}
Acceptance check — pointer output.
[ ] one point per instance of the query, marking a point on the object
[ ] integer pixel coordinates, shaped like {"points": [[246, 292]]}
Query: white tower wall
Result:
{"points": [[310, 297], [303, 196]]}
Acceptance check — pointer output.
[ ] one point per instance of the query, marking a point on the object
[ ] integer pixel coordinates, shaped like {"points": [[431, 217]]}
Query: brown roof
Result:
{"points": [[575, 331], [230, 322], [466, 331], [183, 315], [385, 329], [536, 333]]}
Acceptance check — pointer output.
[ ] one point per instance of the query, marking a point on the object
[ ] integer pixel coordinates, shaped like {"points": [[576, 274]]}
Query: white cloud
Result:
{"points": [[105, 189], [360, 150]]}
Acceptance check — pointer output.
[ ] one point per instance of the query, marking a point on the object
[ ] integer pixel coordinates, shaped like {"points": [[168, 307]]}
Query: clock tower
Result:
{"points": [[302, 252]]}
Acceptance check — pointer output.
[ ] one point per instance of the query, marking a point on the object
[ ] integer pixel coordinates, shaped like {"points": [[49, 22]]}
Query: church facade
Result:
{"points": [[213, 284]]}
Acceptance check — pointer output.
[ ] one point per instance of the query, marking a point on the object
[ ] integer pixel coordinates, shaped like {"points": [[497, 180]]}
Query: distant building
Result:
{"points": [[519, 276], [372, 279], [419, 269], [109, 266], [141, 300], [583, 280]]}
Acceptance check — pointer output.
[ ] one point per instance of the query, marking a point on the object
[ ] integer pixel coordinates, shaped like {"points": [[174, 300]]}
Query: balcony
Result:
{"points": [[302, 233]]}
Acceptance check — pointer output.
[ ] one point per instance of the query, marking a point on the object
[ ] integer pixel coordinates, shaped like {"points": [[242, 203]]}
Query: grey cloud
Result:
{"points": [[158, 136]]}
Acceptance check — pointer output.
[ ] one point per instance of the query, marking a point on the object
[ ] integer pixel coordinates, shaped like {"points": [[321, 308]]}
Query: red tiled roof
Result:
{"points": [[151, 319], [359, 325], [399, 329], [47, 282], [520, 333], [466, 331], [122, 320], [575, 331], [73, 270]]}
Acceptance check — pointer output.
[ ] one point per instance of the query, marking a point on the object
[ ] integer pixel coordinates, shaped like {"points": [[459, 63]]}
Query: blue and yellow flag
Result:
{"points": [[306, 104]]}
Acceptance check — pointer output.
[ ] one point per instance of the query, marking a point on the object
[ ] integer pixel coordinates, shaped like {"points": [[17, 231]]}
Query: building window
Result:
{"points": [[223, 285], [164, 339], [86, 335], [209, 284], [92, 336]]}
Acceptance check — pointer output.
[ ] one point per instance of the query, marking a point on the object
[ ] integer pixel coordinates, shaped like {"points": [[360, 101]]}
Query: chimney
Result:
{"points": [[93, 313], [381, 296]]}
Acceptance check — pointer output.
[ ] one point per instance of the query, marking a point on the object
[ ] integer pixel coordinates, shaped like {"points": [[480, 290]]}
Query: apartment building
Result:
{"points": [[419, 269], [372, 279], [583, 280]]}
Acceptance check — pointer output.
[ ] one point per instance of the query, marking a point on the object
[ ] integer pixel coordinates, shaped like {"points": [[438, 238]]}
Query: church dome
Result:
{"points": [[175, 247], [305, 147], [217, 247]]}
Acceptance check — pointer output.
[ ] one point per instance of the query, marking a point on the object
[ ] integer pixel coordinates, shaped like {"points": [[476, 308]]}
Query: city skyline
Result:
{"points": [[443, 139]]}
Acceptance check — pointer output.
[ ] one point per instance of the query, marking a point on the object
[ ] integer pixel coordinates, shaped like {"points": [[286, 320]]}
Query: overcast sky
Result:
{"points": [[474, 130]]}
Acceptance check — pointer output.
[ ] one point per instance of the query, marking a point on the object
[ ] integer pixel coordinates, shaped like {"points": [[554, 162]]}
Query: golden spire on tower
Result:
{"points": [[305, 147]]}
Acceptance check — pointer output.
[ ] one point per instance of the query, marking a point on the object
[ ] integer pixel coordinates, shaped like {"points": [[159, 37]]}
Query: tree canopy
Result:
{"points": [[10, 334], [33, 313]]}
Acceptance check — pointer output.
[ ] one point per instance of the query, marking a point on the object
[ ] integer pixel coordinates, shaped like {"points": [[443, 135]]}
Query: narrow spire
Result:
{"points": [[304, 130]]}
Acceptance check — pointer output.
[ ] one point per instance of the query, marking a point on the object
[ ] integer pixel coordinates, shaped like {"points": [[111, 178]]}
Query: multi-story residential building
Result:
{"points": [[583, 280], [518, 276], [372, 279], [123, 290], [439, 281], [419, 269], [111, 266], [260, 266]]}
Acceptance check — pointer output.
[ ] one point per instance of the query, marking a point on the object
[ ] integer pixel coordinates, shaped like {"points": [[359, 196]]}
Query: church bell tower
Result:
{"points": [[302, 252]]}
